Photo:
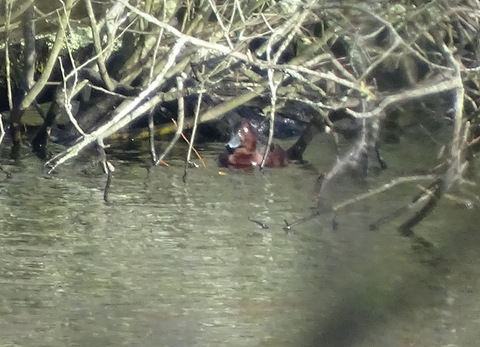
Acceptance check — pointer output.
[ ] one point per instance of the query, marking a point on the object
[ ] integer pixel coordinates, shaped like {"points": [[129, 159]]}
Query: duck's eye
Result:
{"points": [[245, 129]]}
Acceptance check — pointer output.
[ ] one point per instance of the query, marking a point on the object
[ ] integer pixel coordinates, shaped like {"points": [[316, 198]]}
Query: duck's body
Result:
{"points": [[243, 151]]}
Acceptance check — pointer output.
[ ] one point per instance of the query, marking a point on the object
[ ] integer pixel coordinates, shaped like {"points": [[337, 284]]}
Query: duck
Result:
{"points": [[244, 151]]}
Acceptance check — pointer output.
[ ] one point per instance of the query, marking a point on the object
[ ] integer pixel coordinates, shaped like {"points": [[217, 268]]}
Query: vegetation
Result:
{"points": [[362, 60]]}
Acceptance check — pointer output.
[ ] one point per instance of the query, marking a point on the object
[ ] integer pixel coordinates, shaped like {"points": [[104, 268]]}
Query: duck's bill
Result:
{"points": [[234, 143]]}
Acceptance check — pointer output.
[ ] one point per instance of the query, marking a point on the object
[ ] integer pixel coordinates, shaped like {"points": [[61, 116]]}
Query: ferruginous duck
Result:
{"points": [[244, 151]]}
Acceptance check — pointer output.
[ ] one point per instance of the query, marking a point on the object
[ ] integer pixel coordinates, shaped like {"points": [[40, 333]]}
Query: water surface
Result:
{"points": [[170, 263]]}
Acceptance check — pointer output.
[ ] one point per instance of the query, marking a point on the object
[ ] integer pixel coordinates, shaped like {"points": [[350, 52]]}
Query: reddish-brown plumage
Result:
{"points": [[244, 151]]}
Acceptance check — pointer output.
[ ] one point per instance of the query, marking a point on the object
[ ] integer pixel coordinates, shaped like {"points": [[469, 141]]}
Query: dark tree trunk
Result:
{"points": [[16, 125]]}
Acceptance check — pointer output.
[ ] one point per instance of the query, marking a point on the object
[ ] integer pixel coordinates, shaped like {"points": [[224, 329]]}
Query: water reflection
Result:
{"points": [[174, 264]]}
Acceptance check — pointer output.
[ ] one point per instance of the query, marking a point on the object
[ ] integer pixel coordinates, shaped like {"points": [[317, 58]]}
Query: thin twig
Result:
{"points": [[225, 30], [2, 134], [180, 117], [2, 130], [8, 14], [124, 115], [67, 99], [98, 46], [50, 63], [193, 148], [192, 138], [432, 88], [151, 124], [456, 163], [273, 86], [151, 137]]}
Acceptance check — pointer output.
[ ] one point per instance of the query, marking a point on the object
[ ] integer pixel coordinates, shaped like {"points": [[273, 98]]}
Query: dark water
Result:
{"points": [[174, 264]]}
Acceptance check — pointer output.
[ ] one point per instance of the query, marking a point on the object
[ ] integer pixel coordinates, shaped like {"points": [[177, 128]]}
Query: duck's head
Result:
{"points": [[243, 137]]}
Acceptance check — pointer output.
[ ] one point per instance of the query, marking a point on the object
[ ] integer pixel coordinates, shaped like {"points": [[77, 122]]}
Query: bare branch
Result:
{"points": [[180, 117], [432, 88], [98, 46], [55, 51], [124, 115]]}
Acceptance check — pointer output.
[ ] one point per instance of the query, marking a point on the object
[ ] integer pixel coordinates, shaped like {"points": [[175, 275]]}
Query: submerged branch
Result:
{"points": [[381, 189], [299, 60]]}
